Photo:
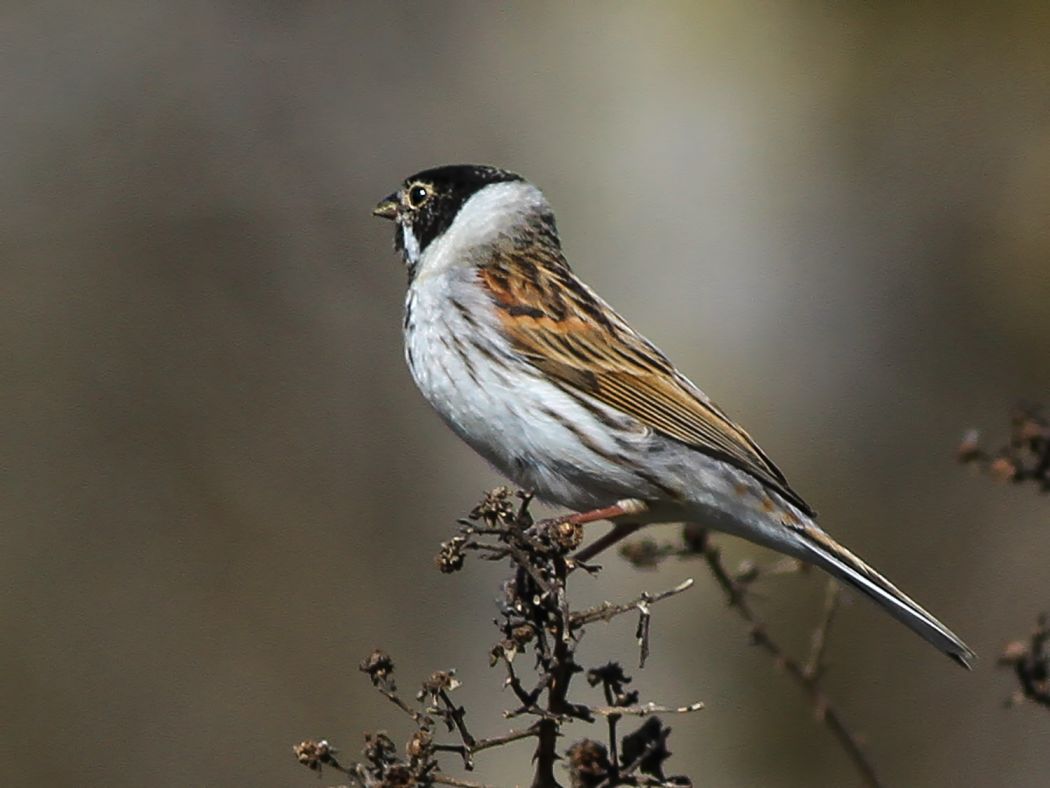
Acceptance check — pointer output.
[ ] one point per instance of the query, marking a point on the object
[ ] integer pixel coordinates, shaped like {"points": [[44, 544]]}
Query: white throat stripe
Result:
{"points": [[489, 212]]}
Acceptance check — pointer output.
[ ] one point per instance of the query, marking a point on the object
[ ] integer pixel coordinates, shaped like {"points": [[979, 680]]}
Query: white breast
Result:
{"points": [[476, 391], [527, 427]]}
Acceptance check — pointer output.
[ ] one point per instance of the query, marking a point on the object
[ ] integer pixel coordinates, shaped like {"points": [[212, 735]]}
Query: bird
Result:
{"points": [[549, 384]]}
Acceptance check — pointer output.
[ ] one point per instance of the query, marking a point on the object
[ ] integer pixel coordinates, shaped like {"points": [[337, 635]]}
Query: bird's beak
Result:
{"points": [[387, 208]]}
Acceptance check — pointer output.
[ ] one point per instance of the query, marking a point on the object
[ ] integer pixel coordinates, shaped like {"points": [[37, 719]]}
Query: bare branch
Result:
{"points": [[444, 779], [607, 611], [825, 711], [535, 618], [644, 710], [814, 666]]}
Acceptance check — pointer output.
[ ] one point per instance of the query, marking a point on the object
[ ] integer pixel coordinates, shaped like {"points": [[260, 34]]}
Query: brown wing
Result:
{"points": [[575, 338]]}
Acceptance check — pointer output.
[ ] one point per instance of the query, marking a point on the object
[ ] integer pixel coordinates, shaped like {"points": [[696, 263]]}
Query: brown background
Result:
{"points": [[221, 489]]}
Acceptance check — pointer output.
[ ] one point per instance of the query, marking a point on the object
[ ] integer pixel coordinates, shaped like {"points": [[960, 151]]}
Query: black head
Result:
{"points": [[427, 202]]}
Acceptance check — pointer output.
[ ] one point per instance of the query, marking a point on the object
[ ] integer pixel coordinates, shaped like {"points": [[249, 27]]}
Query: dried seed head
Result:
{"points": [[588, 763], [378, 665], [440, 680], [496, 507], [609, 673], [1031, 430], [566, 536], [1003, 468], [399, 776], [642, 554], [1014, 653], [522, 634], [450, 557], [379, 749], [418, 747], [649, 743], [313, 754]]}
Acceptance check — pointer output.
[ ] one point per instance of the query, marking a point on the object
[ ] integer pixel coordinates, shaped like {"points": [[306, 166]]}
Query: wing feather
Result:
{"points": [[565, 330]]}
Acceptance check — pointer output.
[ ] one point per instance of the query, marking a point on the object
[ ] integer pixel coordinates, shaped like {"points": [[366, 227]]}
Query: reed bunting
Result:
{"points": [[548, 383]]}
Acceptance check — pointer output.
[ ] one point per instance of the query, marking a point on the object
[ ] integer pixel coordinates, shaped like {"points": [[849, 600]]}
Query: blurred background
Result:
{"points": [[221, 489]]}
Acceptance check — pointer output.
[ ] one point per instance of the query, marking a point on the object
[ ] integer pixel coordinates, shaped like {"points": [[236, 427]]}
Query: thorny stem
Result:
{"points": [[614, 757], [457, 713], [535, 618], [528, 699], [561, 671], [506, 738], [612, 720]]}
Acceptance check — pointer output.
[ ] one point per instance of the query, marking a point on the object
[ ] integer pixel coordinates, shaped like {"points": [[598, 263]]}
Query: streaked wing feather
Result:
{"points": [[575, 338]]}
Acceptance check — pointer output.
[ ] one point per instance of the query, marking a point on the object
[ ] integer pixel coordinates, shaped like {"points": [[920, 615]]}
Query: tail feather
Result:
{"points": [[822, 550]]}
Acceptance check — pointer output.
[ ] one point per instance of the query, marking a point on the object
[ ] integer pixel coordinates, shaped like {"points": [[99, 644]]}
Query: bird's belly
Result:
{"points": [[528, 428], [578, 455]]}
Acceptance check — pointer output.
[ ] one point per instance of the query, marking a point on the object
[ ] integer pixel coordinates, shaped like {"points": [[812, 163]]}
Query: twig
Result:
{"points": [[444, 779], [606, 611], [643, 710], [534, 616], [506, 738], [826, 712], [560, 674], [815, 664], [396, 700], [457, 713]]}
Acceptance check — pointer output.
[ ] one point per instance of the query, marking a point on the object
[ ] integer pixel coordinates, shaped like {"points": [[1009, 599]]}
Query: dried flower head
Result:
{"points": [[588, 763], [379, 667], [314, 754]]}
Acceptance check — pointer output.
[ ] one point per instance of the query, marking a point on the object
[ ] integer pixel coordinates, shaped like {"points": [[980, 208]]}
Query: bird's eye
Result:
{"points": [[417, 195]]}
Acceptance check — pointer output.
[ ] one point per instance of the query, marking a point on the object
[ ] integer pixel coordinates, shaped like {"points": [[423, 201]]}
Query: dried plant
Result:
{"points": [[537, 619], [1030, 661], [806, 673], [1025, 458], [538, 626]]}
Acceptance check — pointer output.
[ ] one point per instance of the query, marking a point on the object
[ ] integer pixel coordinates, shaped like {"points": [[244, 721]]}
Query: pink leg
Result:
{"points": [[625, 508], [619, 532], [593, 516], [628, 506]]}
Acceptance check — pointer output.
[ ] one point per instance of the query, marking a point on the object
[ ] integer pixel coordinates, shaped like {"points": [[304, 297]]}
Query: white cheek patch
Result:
{"points": [[495, 209], [411, 244]]}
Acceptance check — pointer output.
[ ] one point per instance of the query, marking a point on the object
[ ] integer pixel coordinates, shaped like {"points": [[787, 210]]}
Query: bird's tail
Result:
{"points": [[820, 549]]}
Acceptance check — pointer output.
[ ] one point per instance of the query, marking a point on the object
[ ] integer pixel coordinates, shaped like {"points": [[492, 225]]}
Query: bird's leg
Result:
{"points": [[628, 506], [619, 532], [625, 508]]}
